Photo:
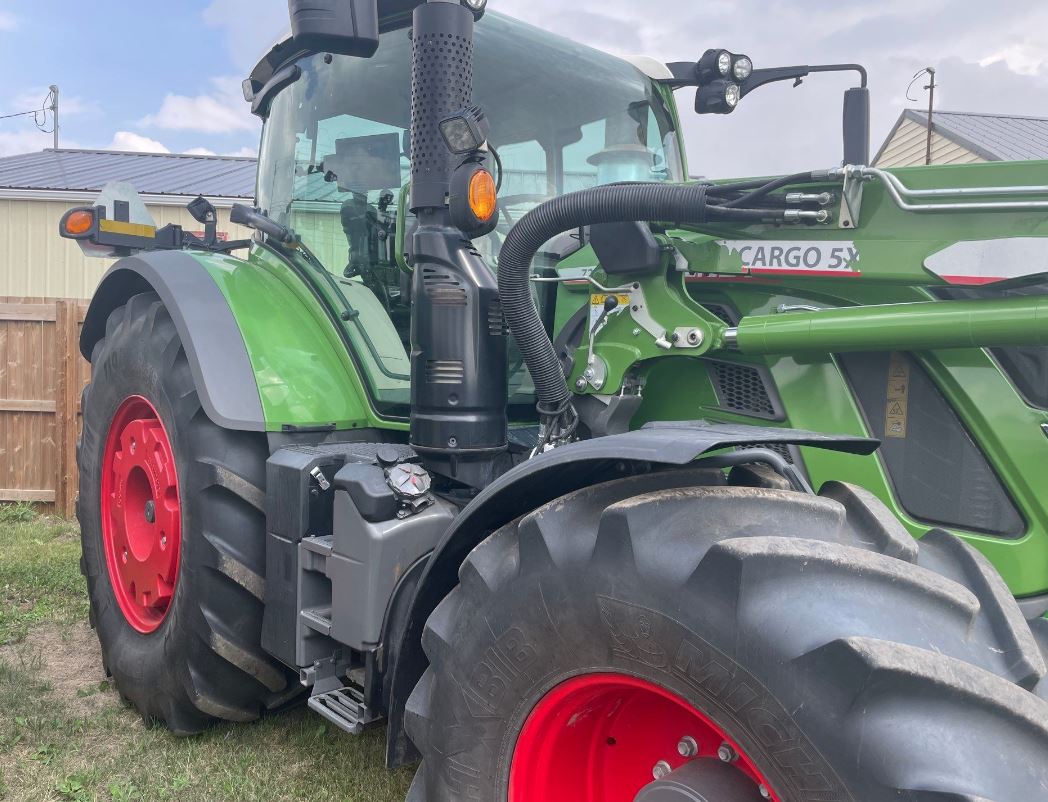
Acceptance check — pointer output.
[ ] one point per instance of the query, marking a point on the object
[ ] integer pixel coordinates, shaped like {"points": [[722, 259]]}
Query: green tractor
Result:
{"points": [[502, 431]]}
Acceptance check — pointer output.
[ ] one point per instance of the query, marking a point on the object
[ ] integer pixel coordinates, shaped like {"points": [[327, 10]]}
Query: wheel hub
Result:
{"points": [[141, 514], [604, 737], [702, 780]]}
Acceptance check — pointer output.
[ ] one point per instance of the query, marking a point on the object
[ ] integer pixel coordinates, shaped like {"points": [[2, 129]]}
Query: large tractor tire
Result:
{"points": [[173, 526], [742, 643]]}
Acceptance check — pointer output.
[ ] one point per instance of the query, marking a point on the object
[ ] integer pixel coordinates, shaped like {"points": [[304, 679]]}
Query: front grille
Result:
{"points": [[445, 371], [741, 388], [443, 288]]}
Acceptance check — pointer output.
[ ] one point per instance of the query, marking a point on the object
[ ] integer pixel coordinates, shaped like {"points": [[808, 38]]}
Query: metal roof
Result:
{"points": [[149, 173], [995, 137]]}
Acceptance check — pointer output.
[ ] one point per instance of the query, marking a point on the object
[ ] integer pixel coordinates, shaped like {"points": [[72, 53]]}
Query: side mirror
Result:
{"points": [[343, 27], [857, 126]]}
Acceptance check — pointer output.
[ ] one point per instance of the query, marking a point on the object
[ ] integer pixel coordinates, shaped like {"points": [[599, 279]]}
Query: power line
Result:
{"points": [[39, 115]]}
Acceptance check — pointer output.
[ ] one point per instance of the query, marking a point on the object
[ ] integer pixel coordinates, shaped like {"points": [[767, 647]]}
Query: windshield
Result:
{"points": [[334, 161]]}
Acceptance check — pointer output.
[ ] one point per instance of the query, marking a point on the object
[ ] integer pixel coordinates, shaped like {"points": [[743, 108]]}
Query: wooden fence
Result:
{"points": [[41, 377]]}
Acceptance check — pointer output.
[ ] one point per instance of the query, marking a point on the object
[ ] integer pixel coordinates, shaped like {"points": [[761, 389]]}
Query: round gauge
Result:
{"points": [[409, 480]]}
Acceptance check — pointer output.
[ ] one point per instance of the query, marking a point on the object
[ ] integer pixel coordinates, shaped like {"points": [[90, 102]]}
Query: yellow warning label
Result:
{"points": [[598, 299], [129, 229], [897, 406]]}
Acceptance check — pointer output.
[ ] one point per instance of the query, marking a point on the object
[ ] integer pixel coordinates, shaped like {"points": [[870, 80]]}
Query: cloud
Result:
{"points": [[245, 152], [250, 27], [136, 143], [199, 152], [13, 143], [8, 21], [221, 111]]}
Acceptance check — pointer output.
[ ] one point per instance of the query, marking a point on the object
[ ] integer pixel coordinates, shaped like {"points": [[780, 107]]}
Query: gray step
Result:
{"points": [[343, 707]]}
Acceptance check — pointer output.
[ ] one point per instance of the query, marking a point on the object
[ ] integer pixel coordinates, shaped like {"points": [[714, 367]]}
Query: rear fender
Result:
{"points": [[206, 326], [265, 352], [543, 479]]}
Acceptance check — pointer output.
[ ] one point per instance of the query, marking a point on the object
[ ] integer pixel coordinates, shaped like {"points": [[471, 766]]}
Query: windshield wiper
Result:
{"points": [[256, 219]]}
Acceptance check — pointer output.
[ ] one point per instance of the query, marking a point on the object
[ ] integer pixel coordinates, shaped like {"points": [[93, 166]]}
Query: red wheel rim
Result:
{"points": [[141, 514], [598, 737]]}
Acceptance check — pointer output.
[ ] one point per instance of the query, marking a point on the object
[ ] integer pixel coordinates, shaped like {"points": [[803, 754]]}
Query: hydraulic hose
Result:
{"points": [[678, 203], [771, 186]]}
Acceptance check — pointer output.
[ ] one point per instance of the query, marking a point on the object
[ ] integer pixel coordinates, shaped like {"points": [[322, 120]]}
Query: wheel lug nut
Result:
{"points": [[726, 753], [764, 791], [662, 768], [687, 747]]}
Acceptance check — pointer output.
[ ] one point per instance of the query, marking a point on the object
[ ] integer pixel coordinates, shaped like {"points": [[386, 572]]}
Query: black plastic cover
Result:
{"points": [[626, 248], [369, 491], [857, 126], [458, 359], [345, 27]]}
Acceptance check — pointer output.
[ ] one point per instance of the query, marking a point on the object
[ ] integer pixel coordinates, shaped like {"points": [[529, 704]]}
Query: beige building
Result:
{"points": [[963, 138], [36, 189]]}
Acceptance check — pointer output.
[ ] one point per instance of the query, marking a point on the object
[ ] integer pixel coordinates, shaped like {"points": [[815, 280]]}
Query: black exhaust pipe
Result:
{"points": [[458, 339]]}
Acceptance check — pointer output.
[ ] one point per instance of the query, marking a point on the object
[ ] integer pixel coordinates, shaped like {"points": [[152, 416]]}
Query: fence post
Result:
{"points": [[68, 356]]}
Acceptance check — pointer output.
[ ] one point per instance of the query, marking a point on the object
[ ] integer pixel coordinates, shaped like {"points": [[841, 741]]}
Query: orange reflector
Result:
{"points": [[482, 195], [79, 222]]}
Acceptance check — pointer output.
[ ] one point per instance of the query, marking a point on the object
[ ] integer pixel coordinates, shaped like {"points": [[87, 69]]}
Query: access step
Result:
{"points": [[343, 707]]}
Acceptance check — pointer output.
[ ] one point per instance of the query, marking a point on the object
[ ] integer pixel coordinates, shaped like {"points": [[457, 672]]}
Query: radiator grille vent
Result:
{"points": [[443, 288], [741, 388], [496, 320], [445, 371]]}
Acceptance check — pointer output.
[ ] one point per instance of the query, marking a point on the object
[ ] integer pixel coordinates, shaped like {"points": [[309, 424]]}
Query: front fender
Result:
{"points": [[543, 479]]}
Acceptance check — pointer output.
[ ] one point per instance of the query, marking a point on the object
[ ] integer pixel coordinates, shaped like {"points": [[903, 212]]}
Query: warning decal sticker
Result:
{"points": [[898, 396], [597, 306]]}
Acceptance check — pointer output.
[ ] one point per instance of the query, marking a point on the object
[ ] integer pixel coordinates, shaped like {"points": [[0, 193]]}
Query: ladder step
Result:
{"points": [[317, 619], [343, 707]]}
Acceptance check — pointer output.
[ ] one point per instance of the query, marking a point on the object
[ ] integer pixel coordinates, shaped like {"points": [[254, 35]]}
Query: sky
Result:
{"points": [[160, 76]]}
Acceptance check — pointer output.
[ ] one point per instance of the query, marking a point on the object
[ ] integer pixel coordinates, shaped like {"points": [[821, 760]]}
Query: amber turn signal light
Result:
{"points": [[483, 197], [78, 222]]}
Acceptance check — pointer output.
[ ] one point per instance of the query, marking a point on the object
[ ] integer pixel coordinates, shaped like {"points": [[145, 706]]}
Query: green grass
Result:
{"points": [[66, 735]]}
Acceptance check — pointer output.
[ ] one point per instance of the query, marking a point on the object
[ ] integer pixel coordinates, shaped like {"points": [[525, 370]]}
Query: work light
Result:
{"points": [[714, 64], [742, 67], [718, 97], [465, 131]]}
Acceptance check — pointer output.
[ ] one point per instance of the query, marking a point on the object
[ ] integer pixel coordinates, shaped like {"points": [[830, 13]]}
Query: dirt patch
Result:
{"points": [[69, 660]]}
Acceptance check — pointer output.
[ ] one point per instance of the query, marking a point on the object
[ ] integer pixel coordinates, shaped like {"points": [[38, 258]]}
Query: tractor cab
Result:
{"points": [[335, 164]]}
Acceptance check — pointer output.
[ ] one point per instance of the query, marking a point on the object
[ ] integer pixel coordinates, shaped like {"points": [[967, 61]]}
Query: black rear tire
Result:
{"points": [[204, 661], [849, 662]]}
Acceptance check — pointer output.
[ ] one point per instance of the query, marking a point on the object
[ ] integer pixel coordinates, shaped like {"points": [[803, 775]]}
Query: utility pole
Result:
{"points": [[54, 112], [931, 107]]}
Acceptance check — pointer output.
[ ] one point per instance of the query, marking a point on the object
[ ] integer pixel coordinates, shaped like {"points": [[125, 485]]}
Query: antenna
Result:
{"points": [[930, 88], [54, 111]]}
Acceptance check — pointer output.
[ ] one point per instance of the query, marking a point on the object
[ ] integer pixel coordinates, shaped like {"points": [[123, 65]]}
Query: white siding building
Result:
{"points": [[963, 138], [36, 189]]}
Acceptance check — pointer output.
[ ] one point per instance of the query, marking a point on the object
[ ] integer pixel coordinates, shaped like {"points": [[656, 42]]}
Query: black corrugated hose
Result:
{"points": [[619, 203]]}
